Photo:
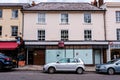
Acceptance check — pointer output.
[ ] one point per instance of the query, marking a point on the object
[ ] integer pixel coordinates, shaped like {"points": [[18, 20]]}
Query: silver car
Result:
{"points": [[65, 64], [110, 67]]}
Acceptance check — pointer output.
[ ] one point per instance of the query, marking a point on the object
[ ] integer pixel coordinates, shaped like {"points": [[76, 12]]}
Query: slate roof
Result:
{"points": [[67, 6], [13, 4]]}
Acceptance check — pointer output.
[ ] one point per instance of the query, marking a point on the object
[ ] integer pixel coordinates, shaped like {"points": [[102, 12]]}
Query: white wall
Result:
{"points": [[53, 27]]}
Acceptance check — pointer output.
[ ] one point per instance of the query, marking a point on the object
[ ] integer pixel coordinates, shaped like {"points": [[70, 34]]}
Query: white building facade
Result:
{"points": [[55, 30], [112, 21]]}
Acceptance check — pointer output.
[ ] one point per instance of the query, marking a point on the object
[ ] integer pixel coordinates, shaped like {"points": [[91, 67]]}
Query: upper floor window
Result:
{"points": [[117, 16], [118, 34], [0, 13], [41, 17], [41, 35], [0, 30], [87, 34], [87, 17], [64, 35], [14, 13], [14, 30], [64, 18]]}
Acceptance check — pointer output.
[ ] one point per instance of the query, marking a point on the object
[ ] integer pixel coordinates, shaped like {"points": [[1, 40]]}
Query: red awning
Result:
{"points": [[8, 45]]}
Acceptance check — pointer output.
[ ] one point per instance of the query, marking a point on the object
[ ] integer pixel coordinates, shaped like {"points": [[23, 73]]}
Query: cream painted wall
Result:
{"points": [[7, 21], [53, 27], [111, 24]]}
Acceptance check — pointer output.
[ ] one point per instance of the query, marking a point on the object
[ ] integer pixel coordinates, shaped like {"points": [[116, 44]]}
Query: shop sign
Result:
{"points": [[61, 44], [115, 46]]}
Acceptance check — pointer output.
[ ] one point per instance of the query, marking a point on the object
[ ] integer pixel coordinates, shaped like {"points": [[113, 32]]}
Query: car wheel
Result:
{"points": [[51, 70], [111, 71], [79, 70]]}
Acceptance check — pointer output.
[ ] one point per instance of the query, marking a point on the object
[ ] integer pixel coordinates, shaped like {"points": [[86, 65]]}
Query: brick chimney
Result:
{"points": [[100, 2], [94, 3], [33, 3]]}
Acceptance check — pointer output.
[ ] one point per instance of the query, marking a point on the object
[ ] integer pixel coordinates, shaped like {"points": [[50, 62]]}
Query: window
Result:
{"points": [[15, 13], [64, 18], [87, 35], [117, 16], [0, 30], [41, 35], [14, 30], [41, 17], [118, 34], [0, 13], [64, 35], [87, 17]]}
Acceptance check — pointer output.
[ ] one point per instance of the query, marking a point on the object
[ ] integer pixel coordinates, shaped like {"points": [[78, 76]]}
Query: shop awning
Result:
{"points": [[8, 45]]}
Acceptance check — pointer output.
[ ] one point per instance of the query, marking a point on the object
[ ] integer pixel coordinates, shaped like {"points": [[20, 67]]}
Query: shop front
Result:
{"points": [[114, 49], [40, 53]]}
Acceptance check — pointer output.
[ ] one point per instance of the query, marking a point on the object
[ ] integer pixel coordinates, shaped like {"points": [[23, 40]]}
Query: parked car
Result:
{"points": [[65, 64], [110, 67], [5, 62]]}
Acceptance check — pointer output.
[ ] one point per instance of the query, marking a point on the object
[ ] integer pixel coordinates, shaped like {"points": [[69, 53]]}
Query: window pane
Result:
{"points": [[41, 18], [87, 35], [117, 16], [0, 30], [14, 13], [118, 34], [87, 17], [0, 13], [41, 35], [64, 35], [14, 30], [64, 18]]}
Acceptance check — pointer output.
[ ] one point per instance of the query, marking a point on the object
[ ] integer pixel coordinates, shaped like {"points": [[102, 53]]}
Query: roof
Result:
{"points": [[13, 4], [59, 6]]}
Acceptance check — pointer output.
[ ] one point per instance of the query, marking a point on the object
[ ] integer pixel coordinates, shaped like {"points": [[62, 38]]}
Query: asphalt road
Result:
{"points": [[38, 75]]}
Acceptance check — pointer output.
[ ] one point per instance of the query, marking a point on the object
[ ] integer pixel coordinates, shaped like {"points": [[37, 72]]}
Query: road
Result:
{"points": [[38, 75]]}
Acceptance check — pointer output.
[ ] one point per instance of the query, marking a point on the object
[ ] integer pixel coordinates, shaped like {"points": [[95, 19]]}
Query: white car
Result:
{"points": [[65, 64]]}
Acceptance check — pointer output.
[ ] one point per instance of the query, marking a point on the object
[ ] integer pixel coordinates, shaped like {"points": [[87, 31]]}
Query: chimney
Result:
{"points": [[100, 2], [33, 3], [94, 3]]}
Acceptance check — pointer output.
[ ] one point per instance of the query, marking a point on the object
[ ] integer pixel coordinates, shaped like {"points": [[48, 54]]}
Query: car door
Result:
{"points": [[72, 64], [61, 65], [117, 66]]}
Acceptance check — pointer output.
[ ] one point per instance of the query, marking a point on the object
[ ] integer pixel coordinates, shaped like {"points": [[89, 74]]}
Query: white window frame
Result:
{"points": [[87, 17], [15, 13], [64, 18], [64, 35], [41, 18], [41, 35], [87, 34], [117, 16]]}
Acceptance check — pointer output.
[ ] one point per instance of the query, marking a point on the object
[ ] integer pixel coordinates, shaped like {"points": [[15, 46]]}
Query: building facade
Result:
{"points": [[112, 21], [11, 25], [56, 30]]}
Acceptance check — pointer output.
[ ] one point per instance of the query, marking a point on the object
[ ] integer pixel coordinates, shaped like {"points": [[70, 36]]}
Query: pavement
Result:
{"points": [[40, 67]]}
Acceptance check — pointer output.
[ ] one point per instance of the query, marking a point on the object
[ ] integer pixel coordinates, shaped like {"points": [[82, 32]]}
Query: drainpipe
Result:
{"points": [[105, 32]]}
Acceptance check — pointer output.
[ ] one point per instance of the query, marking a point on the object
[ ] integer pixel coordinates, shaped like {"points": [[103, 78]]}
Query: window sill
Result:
{"points": [[14, 18], [87, 24], [41, 23], [64, 24]]}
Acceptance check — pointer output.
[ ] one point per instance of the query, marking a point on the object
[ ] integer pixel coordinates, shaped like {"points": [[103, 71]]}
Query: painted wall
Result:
{"points": [[7, 21], [53, 27]]}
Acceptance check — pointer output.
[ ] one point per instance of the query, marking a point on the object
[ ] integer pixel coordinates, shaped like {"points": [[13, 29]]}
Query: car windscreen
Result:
{"points": [[112, 61]]}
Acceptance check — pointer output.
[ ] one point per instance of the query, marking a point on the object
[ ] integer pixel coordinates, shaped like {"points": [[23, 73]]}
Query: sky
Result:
{"points": [[25, 1]]}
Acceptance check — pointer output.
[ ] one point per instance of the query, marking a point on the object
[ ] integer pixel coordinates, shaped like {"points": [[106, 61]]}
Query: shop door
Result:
{"points": [[39, 57], [30, 58], [97, 56]]}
